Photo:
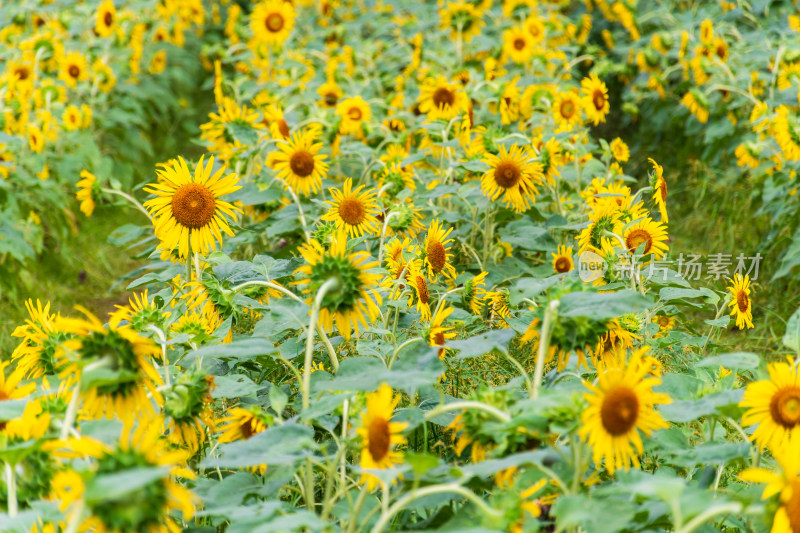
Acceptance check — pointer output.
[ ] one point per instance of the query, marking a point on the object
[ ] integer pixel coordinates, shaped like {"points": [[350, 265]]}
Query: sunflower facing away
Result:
{"points": [[379, 434], [241, 423], [36, 355], [742, 307], [272, 21], [774, 404], [621, 405], [595, 99], [299, 163], [514, 176], [73, 69], [187, 212], [440, 99], [438, 333], [659, 185], [562, 259], [356, 299], [353, 210], [84, 194]]}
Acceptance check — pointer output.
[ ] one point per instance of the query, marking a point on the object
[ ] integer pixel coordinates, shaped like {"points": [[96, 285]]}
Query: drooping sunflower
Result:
{"points": [[595, 99], [562, 259], [650, 233], [84, 195], [379, 434], [353, 210], [659, 185], [437, 251], [518, 45], [353, 112], [665, 324], [440, 99], [354, 301], [786, 127], [741, 304], [272, 21], [187, 212], [73, 69], [621, 405], [299, 163], [104, 19], [514, 176]]}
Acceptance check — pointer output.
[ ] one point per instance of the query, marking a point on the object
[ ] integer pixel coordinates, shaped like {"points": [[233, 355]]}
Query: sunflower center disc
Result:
{"points": [[785, 407], [562, 265], [302, 163], [742, 301], [598, 100], [437, 256], [438, 338], [443, 97], [519, 44], [331, 99], [507, 174], [274, 22], [422, 288], [352, 211], [108, 18], [663, 321], [74, 71], [379, 438], [354, 113], [567, 109], [636, 238], [22, 74], [193, 205], [247, 429], [620, 411]]}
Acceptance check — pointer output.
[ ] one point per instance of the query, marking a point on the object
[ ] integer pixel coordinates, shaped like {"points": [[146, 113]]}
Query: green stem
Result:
{"points": [[544, 344], [11, 483], [72, 411], [133, 201], [697, 521]]}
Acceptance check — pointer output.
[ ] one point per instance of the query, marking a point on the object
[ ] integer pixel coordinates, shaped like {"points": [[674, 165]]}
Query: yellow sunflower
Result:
{"points": [[463, 19], [474, 293], [562, 259], [354, 301], [440, 99], [10, 388], [741, 304], [272, 21], [419, 294], [187, 211], [786, 128], [104, 19], [437, 251], [353, 112], [438, 333], [72, 118], [660, 190], [695, 102], [518, 45], [665, 324], [650, 233], [380, 435], [36, 355], [329, 93], [241, 423], [514, 176], [595, 237], [595, 99], [35, 139], [73, 69], [299, 163], [621, 405], [353, 210], [84, 195], [620, 150]]}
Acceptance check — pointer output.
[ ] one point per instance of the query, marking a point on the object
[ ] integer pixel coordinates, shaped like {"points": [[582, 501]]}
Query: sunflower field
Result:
{"points": [[380, 265]]}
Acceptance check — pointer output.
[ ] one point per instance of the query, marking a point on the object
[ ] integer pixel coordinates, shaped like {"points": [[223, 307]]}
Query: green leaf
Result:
{"points": [[606, 515], [792, 337], [119, 484], [478, 345], [243, 349], [710, 404], [602, 306], [285, 444], [733, 361], [234, 386]]}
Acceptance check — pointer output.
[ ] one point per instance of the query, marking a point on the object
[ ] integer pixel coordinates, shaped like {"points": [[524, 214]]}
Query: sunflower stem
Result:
{"points": [[300, 210], [362, 496], [383, 235], [697, 521], [11, 483], [329, 285], [487, 235], [133, 201], [72, 411], [163, 343], [544, 344]]}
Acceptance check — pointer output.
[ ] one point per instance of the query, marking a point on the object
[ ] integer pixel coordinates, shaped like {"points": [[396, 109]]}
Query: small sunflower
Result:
{"points": [[463, 19], [518, 45], [474, 293], [650, 233], [353, 210], [603, 219], [299, 163], [140, 313], [72, 118], [187, 212], [188, 404], [379, 434], [595, 99], [437, 251], [659, 185], [786, 128], [621, 405], [35, 139], [562, 259], [665, 324], [741, 304], [105, 18], [440, 99], [697, 105], [353, 112], [620, 150], [514, 176], [438, 333], [419, 294], [329, 93], [498, 307], [73, 69], [272, 21], [241, 423], [10, 388], [84, 195]]}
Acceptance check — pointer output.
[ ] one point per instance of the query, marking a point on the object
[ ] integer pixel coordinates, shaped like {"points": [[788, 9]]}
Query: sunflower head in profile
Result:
{"points": [[104, 19], [518, 45], [329, 94], [621, 407], [741, 306], [188, 404], [86, 187], [595, 99], [187, 211], [10, 388], [354, 299], [665, 324], [420, 293], [140, 313], [474, 293], [648, 233], [441, 99], [512, 177], [73, 69], [438, 333], [272, 21], [379, 435], [562, 260], [299, 163], [353, 210], [659, 185]]}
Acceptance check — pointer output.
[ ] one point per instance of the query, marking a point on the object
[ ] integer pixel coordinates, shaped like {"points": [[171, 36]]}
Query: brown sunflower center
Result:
{"points": [[636, 238], [663, 189], [519, 44], [567, 108], [283, 127], [74, 71], [379, 438], [352, 211], [108, 18], [247, 429], [331, 98], [354, 113], [422, 289], [438, 338], [302, 163], [507, 174], [22, 73], [562, 265], [792, 507], [742, 301], [274, 22], [443, 97], [598, 99], [193, 205], [663, 321], [437, 256], [619, 411], [785, 406]]}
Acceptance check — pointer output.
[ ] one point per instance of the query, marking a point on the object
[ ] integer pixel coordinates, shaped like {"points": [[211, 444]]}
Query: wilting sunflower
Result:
{"points": [[659, 185], [355, 300], [437, 247], [562, 259], [463, 19], [187, 211], [650, 233], [438, 333], [272, 21], [353, 210], [514, 176], [518, 45], [742, 307], [73, 69], [299, 163], [104, 19], [379, 434], [440, 99], [353, 112], [84, 195], [621, 405], [595, 99]]}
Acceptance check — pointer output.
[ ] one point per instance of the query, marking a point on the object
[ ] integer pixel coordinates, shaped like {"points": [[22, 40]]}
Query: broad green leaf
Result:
{"points": [[285, 444], [242, 349], [733, 361], [478, 345], [602, 306], [105, 487], [594, 515], [792, 337]]}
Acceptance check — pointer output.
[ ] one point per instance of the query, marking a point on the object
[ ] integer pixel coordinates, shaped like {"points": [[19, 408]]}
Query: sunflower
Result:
{"points": [[621, 405], [648, 232], [353, 210], [603, 218], [747, 155], [514, 176], [786, 128], [272, 21], [353, 112], [379, 434], [6, 161], [104, 19], [140, 313], [440, 99], [299, 163], [463, 19], [276, 122], [518, 45], [665, 324], [187, 212], [474, 293], [329, 94], [498, 306], [241, 423], [355, 299], [72, 118], [229, 117], [697, 105], [35, 355], [595, 99], [188, 403], [103, 76], [741, 304], [193, 324], [437, 255], [562, 259], [438, 333], [73, 69], [84, 195], [420, 294], [620, 150], [659, 185], [35, 139], [10, 388]]}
